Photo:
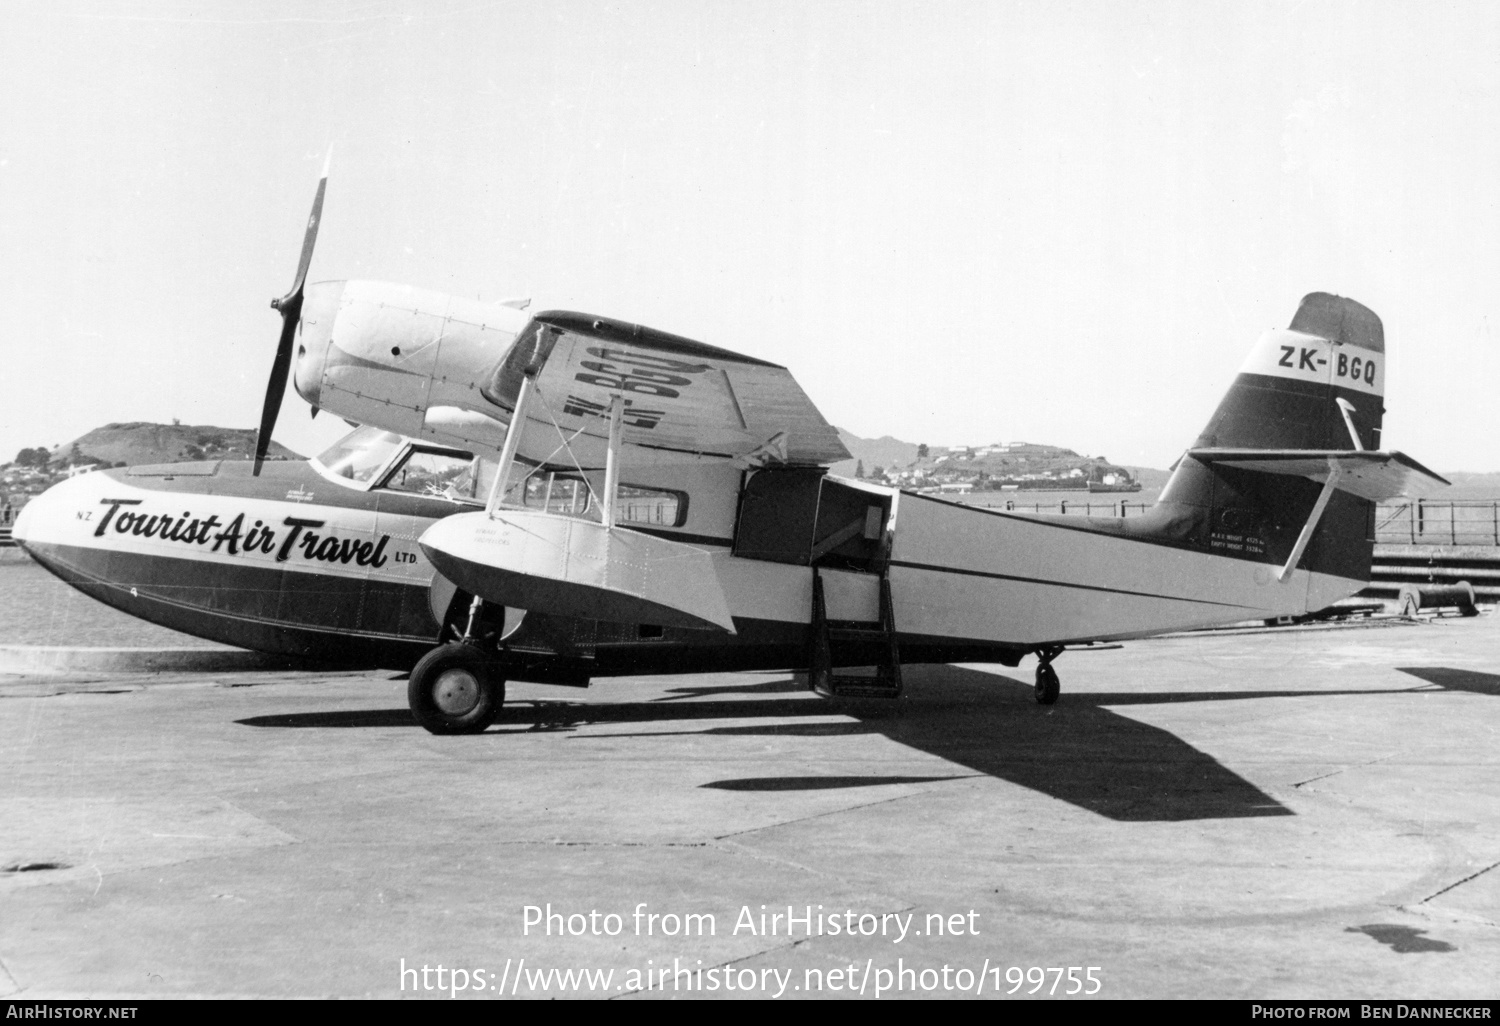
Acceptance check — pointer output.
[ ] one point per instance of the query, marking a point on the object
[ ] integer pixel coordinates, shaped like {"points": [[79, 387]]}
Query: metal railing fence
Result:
{"points": [[1452, 522], [1455, 522], [1086, 509]]}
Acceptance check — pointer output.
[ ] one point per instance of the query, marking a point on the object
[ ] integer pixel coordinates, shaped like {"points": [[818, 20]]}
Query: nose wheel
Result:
{"points": [[455, 689], [1048, 687]]}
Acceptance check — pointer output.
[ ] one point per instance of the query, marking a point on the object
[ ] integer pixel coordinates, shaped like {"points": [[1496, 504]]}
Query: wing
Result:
{"points": [[683, 399]]}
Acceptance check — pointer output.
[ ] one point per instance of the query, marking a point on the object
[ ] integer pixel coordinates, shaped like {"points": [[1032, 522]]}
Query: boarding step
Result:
{"points": [[880, 635], [855, 630], [853, 686]]}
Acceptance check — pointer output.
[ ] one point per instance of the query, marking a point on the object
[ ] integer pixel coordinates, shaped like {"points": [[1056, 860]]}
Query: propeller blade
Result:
{"points": [[308, 239], [276, 387], [290, 308]]}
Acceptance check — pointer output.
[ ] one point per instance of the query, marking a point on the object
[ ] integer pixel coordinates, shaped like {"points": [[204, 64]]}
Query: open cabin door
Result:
{"points": [[849, 533], [841, 532], [801, 516]]}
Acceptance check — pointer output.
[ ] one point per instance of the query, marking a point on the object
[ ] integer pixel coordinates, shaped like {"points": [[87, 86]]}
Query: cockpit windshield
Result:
{"points": [[359, 455], [370, 458]]}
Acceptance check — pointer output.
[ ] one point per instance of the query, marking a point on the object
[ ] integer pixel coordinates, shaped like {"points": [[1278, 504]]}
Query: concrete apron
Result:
{"points": [[1305, 813], [49, 659]]}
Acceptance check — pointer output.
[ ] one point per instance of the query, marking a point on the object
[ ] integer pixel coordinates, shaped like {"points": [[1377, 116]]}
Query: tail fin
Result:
{"points": [[1317, 385], [1287, 393], [1286, 474]]}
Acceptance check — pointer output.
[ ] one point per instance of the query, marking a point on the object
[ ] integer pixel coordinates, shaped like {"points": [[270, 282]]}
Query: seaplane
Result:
{"points": [[560, 497]]}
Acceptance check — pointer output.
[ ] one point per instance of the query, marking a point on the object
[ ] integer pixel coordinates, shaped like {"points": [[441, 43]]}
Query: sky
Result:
{"points": [[957, 223]]}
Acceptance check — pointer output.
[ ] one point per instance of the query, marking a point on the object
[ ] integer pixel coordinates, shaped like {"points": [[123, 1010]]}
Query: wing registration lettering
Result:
{"points": [[669, 399], [644, 373], [682, 398]]}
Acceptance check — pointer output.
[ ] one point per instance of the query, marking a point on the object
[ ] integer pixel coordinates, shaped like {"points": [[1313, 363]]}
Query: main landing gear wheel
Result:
{"points": [[1048, 687], [455, 689]]}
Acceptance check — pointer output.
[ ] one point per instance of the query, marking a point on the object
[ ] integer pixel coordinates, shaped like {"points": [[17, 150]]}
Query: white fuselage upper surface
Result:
{"points": [[974, 573]]}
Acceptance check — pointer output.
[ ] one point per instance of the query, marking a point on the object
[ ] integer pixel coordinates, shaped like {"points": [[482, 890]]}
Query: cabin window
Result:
{"points": [[650, 507], [448, 475], [569, 495], [566, 495]]}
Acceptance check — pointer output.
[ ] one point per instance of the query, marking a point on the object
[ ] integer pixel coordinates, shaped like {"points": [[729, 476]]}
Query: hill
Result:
{"points": [[874, 452], [1031, 462], [140, 442], [892, 455]]}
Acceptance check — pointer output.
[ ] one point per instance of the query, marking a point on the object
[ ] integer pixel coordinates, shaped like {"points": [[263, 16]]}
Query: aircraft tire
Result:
{"points": [[1048, 687], [455, 689]]}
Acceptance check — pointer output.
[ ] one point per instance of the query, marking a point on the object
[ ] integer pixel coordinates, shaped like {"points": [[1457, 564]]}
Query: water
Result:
{"points": [[1104, 503]]}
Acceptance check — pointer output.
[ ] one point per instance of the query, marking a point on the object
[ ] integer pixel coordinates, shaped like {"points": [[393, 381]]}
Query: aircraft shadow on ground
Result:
{"points": [[1452, 679], [1077, 751]]}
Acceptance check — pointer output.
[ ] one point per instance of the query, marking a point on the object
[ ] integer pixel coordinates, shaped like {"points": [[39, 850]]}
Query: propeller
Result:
{"points": [[290, 308]]}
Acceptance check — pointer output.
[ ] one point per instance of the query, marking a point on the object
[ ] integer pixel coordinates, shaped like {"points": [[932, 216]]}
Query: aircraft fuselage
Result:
{"points": [[297, 564]]}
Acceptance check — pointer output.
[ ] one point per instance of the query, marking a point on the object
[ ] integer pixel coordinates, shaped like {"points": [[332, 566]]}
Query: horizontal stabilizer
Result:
{"points": [[1373, 475]]}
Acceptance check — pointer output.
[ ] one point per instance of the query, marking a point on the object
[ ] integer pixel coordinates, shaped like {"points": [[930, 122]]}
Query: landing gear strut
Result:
{"points": [[1047, 685], [457, 688]]}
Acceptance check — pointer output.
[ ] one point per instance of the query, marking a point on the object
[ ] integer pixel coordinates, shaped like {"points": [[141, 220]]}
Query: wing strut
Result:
{"points": [[612, 458], [512, 440], [1335, 471]]}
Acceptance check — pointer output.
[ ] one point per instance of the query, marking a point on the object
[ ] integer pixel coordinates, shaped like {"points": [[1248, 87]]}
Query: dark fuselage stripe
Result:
{"points": [[679, 536], [308, 593]]}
